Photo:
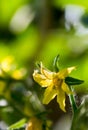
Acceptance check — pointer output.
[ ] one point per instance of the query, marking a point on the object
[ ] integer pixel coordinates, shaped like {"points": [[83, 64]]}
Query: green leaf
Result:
{"points": [[56, 63], [38, 64], [73, 81], [18, 125]]}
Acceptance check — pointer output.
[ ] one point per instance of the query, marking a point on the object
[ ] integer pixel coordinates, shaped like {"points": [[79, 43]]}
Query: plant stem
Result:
{"points": [[72, 100]]}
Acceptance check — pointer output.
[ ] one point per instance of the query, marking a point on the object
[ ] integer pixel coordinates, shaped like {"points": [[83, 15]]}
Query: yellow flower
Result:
{"points": [[38, 124], [34, 124], [7, 64], [54, 83]]}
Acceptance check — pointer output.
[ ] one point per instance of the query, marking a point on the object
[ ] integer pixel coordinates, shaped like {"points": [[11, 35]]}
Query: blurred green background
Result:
{"points": [[39, 30]]}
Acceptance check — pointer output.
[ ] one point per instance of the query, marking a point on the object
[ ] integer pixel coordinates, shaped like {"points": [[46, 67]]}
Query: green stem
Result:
{"points": [[72, 100]]}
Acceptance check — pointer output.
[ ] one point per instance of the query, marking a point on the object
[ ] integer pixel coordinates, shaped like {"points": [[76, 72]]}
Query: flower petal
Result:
{"points": [[49, 94], [41, 79], [48, 74], [61, 99], [65, 72], [66, 88]]}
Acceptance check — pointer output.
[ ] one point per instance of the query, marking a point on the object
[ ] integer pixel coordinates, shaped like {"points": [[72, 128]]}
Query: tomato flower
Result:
{"points": [[34, 124], [54, 83]]}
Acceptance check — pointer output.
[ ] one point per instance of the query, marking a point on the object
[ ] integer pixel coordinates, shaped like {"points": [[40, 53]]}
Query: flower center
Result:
{"points": [[57, 82]]}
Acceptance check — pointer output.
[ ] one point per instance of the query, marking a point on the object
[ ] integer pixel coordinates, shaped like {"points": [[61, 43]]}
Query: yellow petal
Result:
{"points": [[41, 79], [49, 94], [61, 99], [66, 88], [48, 74], [65, 72]]}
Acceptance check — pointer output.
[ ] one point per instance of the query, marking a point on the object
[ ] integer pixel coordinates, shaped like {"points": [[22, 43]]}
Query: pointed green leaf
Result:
{"points": [[18, 125], [56, 63], [73, 81], [38, 65]]}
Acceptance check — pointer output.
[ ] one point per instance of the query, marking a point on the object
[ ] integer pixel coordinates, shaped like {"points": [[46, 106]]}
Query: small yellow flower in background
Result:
{"points": [[19, 74], [7, 64], [54, 83], [34, 124], [8, 67]]}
